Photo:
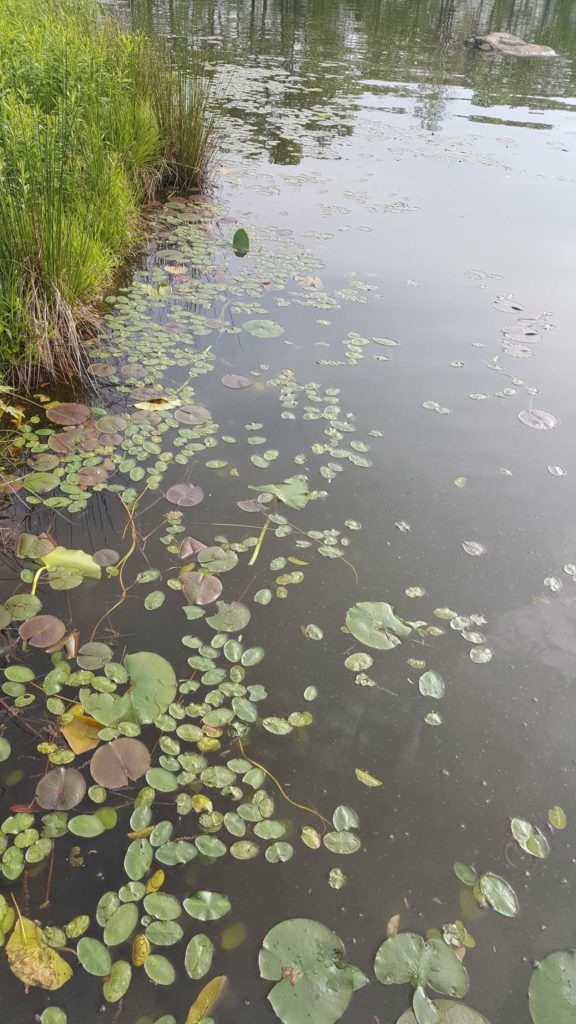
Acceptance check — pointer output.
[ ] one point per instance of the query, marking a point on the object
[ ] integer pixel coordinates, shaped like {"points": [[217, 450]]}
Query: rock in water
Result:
{"points": [[513, 46]]}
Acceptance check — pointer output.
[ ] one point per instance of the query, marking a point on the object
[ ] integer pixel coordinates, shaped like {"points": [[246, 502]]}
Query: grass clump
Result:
{"points": [[92, 122]]}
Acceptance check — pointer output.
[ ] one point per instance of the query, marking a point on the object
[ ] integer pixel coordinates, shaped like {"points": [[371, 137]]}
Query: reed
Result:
{"points": [[93, 122]]}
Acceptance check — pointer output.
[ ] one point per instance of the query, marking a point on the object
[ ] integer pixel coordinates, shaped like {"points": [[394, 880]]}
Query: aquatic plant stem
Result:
{"points": [[301, 807]]}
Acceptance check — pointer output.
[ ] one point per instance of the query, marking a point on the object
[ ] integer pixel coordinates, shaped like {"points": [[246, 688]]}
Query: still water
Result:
{"points": [[395, 185]]}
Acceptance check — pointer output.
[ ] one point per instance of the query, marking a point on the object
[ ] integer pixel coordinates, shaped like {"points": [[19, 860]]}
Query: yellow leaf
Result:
{"points": [[156, 881], [296, 561], [157, 403], [32, 961], [141, 833], [201, 803], [460, 481], [81, 733], [366, 778], [207, 999], [140, 949]]}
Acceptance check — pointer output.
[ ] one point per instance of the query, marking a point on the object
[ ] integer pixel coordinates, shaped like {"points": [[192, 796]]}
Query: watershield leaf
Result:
{"points": [[119, 762], [53, 1015], [121, 924], [154, 600], [138, 859], [263, 328], [557, 818], [465, 874], [32, 960], [305, 959], [86, 825], [552, 991], [499, 894], [207, 1000], [406, 958], [159, 969], [374, 624], [94, 957], [116, 986], [163, 906], [198, 957], [530, 838]]}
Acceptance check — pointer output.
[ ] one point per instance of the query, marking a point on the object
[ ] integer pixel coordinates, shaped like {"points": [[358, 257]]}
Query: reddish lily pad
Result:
{"points": [[106, 556], [190, 547], [185, 495], [42, 631], [250, 505], [119, 762], [102, 369], [201, 589], [192, 415], [68, 413], [61, 789], [235, 380], [538, 419]]}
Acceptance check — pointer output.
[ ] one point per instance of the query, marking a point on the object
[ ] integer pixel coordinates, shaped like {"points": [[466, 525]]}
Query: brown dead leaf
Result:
{"points": [[393, 926], [81, 733]]}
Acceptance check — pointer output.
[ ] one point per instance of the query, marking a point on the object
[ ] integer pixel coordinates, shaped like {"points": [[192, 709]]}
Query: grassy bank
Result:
{"points": [[92, 122]]}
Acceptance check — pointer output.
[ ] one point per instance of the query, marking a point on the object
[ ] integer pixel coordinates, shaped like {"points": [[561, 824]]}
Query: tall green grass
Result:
{"points": [[93, 121]]}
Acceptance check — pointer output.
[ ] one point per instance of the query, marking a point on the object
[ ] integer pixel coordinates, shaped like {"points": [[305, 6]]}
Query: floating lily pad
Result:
{"points": [[406, 958], [538, 419], [200, 588], [235, 381], [119, 762], [192, 415], [184, 495], [60, 789], [530, 838], [552, 992], [263, 328], [230, 618], [450, 1013], [94, 957], [68, 413], [198, 957], [499, 894], [375, 624], [207, 906], [305, 959], [23, 606]]}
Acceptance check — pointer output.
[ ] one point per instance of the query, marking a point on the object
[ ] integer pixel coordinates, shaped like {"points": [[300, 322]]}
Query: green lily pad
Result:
{"points": [[163, 906], [230, 618], [263, 328], [86, 825], [207, 906], [406, 958], [305, 959], [552, 991], [450, 1013], [431, 684], [374, 623], [216, 559], [23, 606], [293, 492]]}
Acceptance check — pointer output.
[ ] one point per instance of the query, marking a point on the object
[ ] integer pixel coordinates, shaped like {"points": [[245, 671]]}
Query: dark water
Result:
{"points": [[440, 179]]}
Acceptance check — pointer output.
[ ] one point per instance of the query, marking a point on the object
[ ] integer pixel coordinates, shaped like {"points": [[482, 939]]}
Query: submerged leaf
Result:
{"points": [[206, 1001]]}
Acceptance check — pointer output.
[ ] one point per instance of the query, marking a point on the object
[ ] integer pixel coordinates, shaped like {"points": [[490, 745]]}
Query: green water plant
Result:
{"points": [[92, 121]]}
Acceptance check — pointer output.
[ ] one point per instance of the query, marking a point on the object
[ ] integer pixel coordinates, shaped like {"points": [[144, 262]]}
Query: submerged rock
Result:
{"points": [[513, 46]]}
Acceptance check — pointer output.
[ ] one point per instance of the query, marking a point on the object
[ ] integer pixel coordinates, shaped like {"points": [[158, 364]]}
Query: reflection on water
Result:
{"points": [[369, 149]]}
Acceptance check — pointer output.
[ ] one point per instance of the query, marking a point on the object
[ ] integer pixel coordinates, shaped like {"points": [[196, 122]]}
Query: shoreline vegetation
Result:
{"points": [[94, 123]]}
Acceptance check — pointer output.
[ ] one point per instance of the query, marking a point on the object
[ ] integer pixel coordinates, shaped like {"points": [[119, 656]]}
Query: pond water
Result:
{"points": [[405, 306]]}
